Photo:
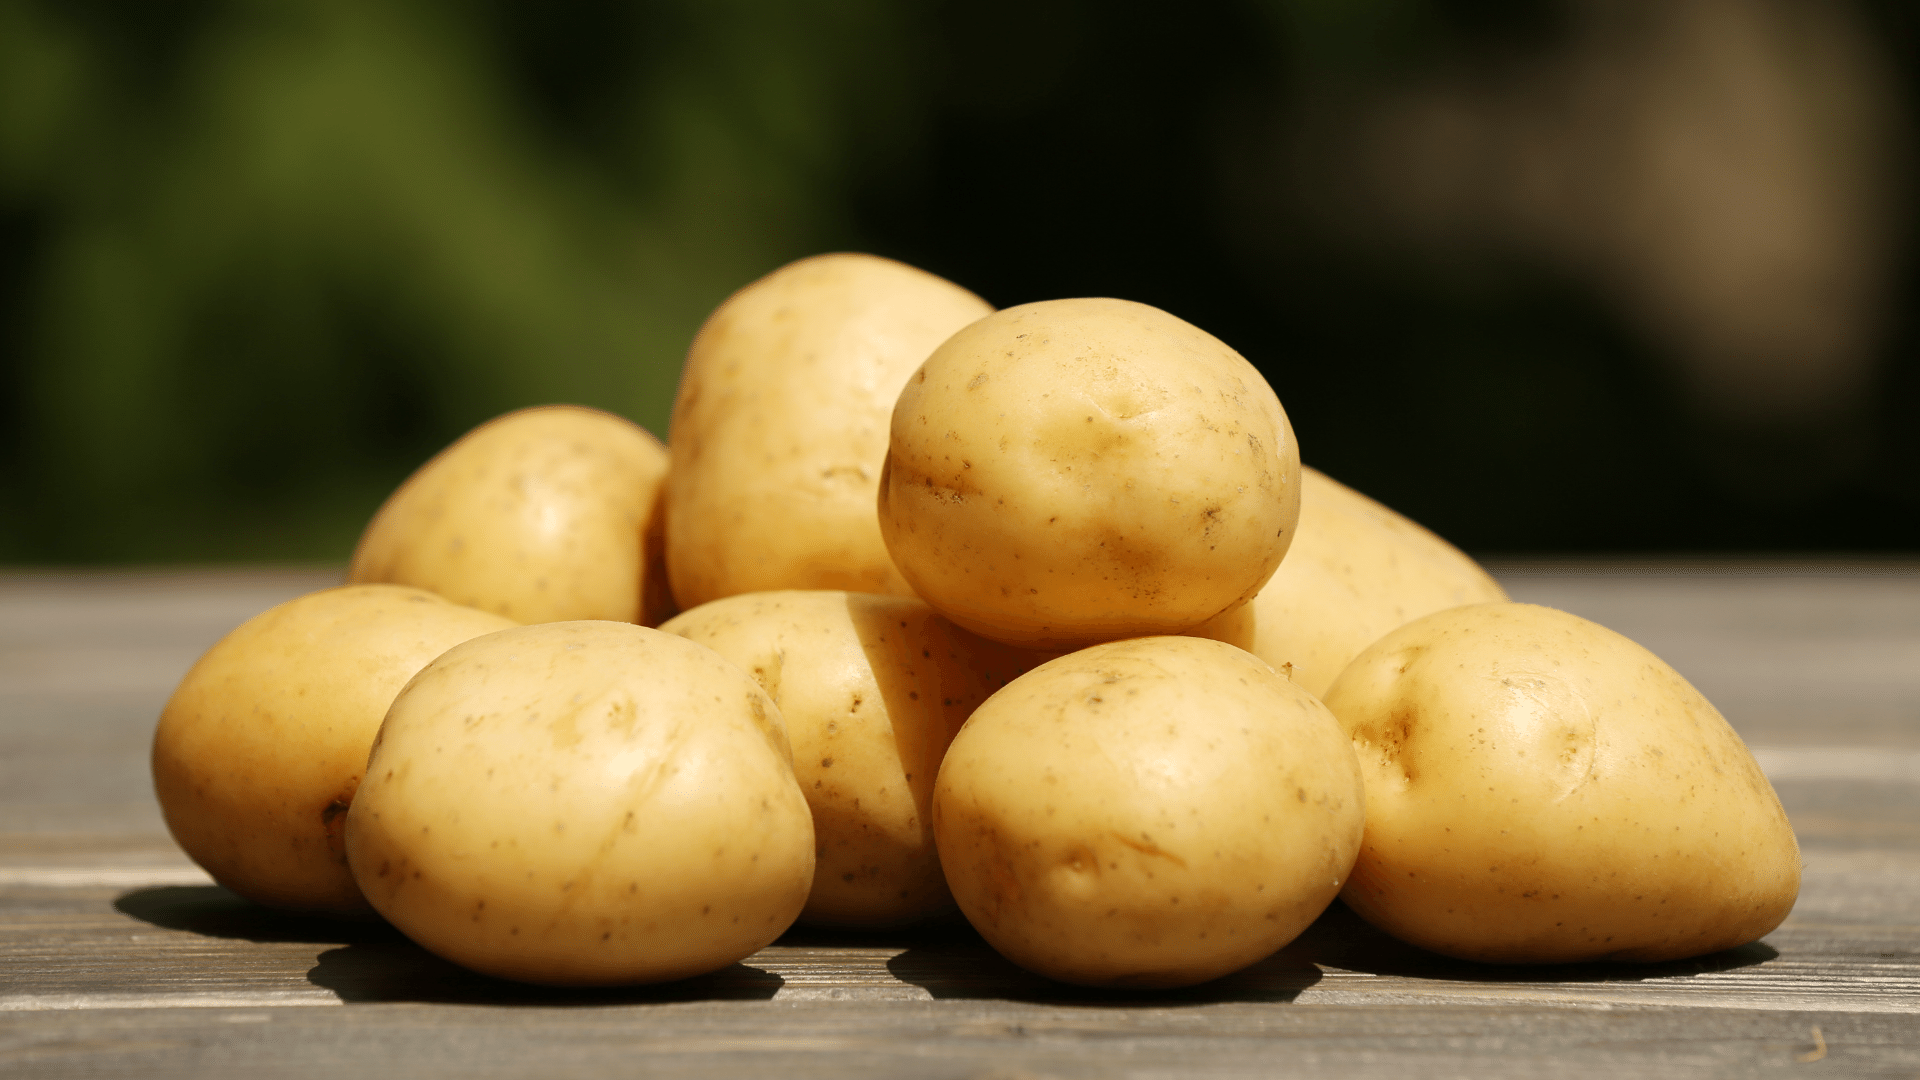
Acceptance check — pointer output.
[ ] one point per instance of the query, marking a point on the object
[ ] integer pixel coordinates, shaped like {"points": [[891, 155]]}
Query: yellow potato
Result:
{"points": [[1153, 812], [1355, 571], [1542, 790], [872, 689], [260, 749], [1075, 471], [540, 515], [780, 426], [583, 803]]}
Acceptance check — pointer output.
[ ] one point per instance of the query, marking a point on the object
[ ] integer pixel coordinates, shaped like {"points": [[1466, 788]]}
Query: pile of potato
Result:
{"points": [[1034, 613]]}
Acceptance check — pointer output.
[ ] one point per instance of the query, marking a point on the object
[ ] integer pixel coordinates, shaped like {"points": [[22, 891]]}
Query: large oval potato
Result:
{"points": [[1075, 471], [780, 426], [1150, 813], [541, 515], [583, 803], [1355, 571], [1542, 790], [872, 689], [260, 749]]}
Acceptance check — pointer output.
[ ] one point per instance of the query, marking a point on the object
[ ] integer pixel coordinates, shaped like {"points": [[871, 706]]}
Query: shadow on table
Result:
{"points": [[402, 971], [212, 911], [948, 959], [955, 962], [375, 962], [1340, 939]]}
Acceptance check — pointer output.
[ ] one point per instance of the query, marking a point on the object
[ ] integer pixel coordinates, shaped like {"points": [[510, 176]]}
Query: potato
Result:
{"points": [[872, 689], [1149, 813], [1542, 790], [1355, 571], [780, 426], [259, 751], [583, 803], [540, 515], [1074, 471]]}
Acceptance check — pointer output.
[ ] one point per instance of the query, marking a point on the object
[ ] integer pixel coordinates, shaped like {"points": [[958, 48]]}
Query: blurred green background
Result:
{"points": [[1578, 276]]}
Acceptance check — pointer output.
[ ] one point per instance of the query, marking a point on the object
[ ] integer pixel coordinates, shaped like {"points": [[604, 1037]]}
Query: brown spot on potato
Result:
{"points": [[333, 820]]}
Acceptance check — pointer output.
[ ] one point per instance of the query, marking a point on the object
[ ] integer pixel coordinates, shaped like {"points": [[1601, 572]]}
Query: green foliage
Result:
{"points": [[273, 253], [261, 258]]}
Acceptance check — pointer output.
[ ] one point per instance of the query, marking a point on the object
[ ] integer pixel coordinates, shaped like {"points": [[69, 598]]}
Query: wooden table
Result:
{"points": [[119, 957]]}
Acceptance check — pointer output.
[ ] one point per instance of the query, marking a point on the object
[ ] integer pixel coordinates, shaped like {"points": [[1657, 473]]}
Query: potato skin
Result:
{"points": [[1541, 790], [261, 747], [1154, 812], [583, 803], [1356, 570], [1075, 471], [780, 426], [872, 689], [541, 515]]}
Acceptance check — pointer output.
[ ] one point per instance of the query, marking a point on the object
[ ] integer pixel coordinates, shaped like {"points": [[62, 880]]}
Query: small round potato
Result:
{"points": [[583, 803], [1355, 571], [259, 751], [1542, 790], [872, 689], [1148, 813], [541, 515], [1076, 471], [780, 426]]}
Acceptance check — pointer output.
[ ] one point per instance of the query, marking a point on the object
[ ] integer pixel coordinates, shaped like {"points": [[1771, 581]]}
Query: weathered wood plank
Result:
{"points": [[960, 1039], [86, 663]]}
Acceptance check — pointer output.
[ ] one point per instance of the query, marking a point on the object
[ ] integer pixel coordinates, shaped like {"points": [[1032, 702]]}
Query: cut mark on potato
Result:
{"points": [[1146, 846]]}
